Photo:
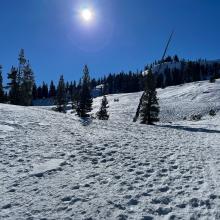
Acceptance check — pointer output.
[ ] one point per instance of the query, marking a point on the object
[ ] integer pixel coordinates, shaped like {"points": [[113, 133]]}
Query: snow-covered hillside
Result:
{"points": [[54, 166], [176, 102], [177, 65]]}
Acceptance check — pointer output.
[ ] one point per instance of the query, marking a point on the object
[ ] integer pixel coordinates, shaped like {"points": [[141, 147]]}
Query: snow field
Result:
{"points": [[52, 166]]}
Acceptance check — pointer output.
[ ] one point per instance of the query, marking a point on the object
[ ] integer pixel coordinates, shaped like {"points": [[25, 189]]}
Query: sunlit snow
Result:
{"points": [[52, 166]]}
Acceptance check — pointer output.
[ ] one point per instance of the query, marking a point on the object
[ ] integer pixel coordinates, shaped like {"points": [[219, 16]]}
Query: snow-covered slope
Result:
{"points": [[176, 102], [54, 166], [177, 65]]}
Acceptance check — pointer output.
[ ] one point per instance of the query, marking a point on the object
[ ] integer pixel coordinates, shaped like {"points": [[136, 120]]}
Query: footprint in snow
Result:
{"points": [[163, 210], [7, 206], [164, 189], [132, 202], [161, 200]]}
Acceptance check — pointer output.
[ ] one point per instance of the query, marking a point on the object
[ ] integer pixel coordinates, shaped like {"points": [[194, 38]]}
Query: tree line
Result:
{"points": [[188, 71], [22, 89], [112, 84]]}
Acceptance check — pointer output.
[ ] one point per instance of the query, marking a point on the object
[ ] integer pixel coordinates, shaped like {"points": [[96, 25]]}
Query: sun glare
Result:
{"points": [[87, 15]]}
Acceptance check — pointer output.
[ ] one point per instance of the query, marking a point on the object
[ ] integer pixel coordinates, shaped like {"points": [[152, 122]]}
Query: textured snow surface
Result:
{"points": [[55, 166], [50, 165], [6, 128]]}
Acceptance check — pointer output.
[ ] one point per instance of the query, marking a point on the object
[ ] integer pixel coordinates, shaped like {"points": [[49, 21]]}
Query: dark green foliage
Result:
{"points": [[34, 92], [6, 98], [188, 71], [168, 59], [176, 58], [212, 79], [120, 83], [138, 109], [102, 114], [72, 89], [2, 95], [149, 108], [177, 77], [42, 92], [84, 105], [27, 83], [21, 82], [45, 90], [14, 92], [39, 92], [61, 95], [168, 77], [75, 97], [75, 94], [160, 81], [52, 90], [67, 86]]}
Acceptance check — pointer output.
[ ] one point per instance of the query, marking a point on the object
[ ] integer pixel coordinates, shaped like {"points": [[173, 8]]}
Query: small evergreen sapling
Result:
{"points": [[102, 114]]}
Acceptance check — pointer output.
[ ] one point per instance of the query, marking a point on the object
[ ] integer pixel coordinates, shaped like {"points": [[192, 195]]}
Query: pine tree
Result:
{"points": [[75, 99], [5, 97], [34, 92], [149, 108], [45, 90], [21, 67], [52, 90], [2, 95], [14, 91], [27, 86], [102, 114], [84, 105], [61, 95], [160, 81], [39, 92], [21, 82], [168, 77], [72, 88], [176, 58]]}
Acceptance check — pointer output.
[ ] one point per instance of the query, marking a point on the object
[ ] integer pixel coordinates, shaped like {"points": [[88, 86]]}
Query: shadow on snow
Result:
{"points": [[190, 129], [86, 121]]}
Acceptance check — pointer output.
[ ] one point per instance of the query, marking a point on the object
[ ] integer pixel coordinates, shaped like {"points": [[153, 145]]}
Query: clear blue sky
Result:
{"points": [[123, 35]]}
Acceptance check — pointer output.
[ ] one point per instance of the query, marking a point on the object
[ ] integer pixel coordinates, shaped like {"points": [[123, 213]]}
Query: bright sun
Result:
{"points": [[87, 14]]}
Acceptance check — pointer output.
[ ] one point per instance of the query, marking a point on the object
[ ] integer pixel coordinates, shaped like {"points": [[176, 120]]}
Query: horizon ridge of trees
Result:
{"points": [[189, 71]]}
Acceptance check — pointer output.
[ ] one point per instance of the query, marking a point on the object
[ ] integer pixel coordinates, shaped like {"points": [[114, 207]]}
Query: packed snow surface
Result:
{"points": [[56, 166], [50, 165]]}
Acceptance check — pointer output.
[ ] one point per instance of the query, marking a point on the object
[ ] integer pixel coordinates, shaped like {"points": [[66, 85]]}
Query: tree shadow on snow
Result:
{"points": [[190, 129], [86, 121]]}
